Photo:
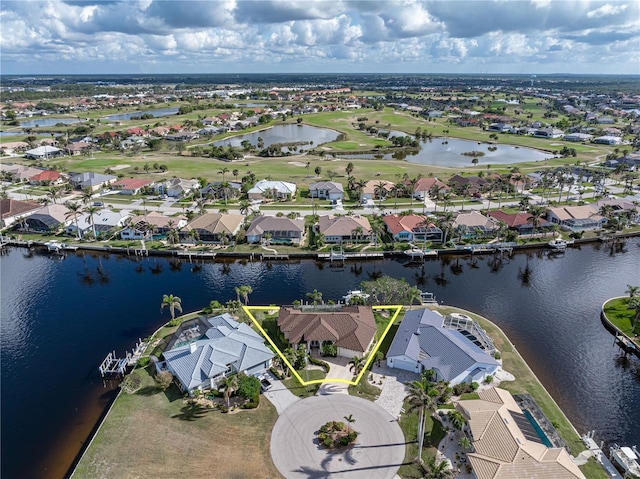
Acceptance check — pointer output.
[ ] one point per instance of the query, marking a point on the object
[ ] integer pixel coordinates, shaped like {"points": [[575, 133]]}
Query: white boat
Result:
{"points": [[355, 293], [626, 458], [559, 243], [58, 247]]}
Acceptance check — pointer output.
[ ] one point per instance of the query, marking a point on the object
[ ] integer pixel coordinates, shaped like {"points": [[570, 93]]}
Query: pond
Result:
{"points": [[449, 153], [156, 113], [283, 134], [48, 122]]}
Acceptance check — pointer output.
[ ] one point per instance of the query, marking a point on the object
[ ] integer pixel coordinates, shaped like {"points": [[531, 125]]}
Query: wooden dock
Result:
{"points": [[197, 254], [115, 366], [274, 256]]}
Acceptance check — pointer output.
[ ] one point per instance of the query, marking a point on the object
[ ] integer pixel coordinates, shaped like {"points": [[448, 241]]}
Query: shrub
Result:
{"points": [[248, 386], [164, 379], [132, 382], [497, 355], [144, 362], [474, 385]]}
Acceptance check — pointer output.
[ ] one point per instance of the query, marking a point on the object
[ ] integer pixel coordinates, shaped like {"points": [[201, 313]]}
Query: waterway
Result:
{"points": [[156, 113], [60, 317], [284, 134], [48, 121]]}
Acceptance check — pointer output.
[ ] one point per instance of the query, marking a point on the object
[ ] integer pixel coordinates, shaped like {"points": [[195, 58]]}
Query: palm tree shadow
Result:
{"points": [[191, 412], [148, 391]]}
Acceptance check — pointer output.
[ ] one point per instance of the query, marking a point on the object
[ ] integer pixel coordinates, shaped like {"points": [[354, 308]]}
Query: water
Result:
{"points": [[284, 134], [156, 113], [449, 153], [48, 122], [60, 318], [12, 133]]}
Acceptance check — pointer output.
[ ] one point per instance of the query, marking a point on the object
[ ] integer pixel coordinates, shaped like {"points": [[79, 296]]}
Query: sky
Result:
{"points": [[319, 36]]}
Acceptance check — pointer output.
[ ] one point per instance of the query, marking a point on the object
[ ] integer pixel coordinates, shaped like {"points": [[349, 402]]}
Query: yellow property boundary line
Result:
{"points": [[370, 357]]}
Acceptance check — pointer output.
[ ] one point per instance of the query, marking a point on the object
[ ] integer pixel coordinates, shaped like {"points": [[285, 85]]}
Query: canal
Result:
{"points": [[60, 317]]}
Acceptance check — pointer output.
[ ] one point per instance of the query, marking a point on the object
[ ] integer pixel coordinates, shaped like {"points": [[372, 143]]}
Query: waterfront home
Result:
{"points": [[408, 228], [101, 221], [277, 229], [326, 190], [131, 186], [577, 137], [454, 347], [375, 189], [506, 444], [520, 222], [205, 350], [43, 153], [212, 228], [475, 224], [12, 211], [619, 208], [424, 186], [48, 219], [351, 329], [576, 218], [91, 181], [145, 226], [342, 229], [177, 187], [273, 190]]}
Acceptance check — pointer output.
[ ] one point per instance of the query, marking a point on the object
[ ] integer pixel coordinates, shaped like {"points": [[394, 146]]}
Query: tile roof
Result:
{"points": [[425, 184], [262, 224], [216, 223], [473, 219], [330, 186], [354, 327], [409, 223], [10, 207], [371, 186], [343, 225], [502, 450], [131, 183], [46, 175]]}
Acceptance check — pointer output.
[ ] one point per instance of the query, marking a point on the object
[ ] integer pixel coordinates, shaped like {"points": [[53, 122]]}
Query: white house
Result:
{"points": [[102, 221], [455, 347], [281, 190], [326, 190]]}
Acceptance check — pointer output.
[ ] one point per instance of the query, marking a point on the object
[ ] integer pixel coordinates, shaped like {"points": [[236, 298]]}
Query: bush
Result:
{"points": [[319, 362], [164, 379], [277, 373], [248, 386], [474, 386], [132, 382], [144, 362], [497, 355]]}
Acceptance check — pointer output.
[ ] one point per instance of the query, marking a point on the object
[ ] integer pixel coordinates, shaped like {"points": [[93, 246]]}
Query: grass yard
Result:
{"points": [[434, 434], [155, 434], [365, 390], [621, 316], [305, 391]]}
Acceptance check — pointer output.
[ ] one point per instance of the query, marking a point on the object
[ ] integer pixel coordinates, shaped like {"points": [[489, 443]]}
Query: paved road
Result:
{"points": [[378, 453]]}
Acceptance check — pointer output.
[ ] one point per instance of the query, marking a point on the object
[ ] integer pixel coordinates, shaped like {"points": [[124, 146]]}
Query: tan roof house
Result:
{"points": [[49, 218], [280, 229], [340, 229], [352, 329], [505, 445], [370, 189], [14, 210], [576, 218], [475, 224], [212, 227]]}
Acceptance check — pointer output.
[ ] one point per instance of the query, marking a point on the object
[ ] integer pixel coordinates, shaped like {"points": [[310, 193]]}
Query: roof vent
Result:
{"points": [[417, 333]]}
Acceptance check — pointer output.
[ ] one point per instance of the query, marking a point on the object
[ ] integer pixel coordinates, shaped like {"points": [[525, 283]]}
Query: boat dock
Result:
{"points": [[596, 452], [340, 255], [196, 254], [113, 365]]}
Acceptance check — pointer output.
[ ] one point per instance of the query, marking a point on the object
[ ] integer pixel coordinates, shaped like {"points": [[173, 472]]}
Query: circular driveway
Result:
{"points": [[377, 453]]}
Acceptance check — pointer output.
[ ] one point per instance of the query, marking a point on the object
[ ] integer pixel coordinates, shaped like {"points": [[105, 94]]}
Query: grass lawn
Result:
{"points": [[365, 390], [305, 391], [527, 382], [434, 434], [156, 434], [621, 316]]}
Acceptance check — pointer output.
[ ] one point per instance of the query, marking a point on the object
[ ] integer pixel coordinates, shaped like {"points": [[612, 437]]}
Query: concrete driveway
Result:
{"points": [[279, 395], [339, 369], [377, 454]]}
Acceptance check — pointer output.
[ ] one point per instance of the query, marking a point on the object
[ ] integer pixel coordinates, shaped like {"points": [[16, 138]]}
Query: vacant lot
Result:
{"points": [[154, 434]]}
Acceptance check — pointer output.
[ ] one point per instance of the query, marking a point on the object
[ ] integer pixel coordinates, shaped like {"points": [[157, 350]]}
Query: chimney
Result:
{"points": [[192, 347]]}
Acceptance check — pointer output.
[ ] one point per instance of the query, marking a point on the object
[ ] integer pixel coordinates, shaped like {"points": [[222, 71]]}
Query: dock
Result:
{"points": [[196, 254], [273, 256], [596, 452], [112, 365]]}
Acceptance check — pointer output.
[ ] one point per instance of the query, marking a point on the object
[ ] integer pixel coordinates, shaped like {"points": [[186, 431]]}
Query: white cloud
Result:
{"points": [[606, 11]]}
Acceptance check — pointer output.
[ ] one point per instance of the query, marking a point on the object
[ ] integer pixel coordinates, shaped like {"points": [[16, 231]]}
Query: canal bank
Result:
{"points": [[525, 382], [622, 339]]}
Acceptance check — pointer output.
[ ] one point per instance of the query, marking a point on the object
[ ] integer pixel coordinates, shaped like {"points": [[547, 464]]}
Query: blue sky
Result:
{"points": [[299, 36]]}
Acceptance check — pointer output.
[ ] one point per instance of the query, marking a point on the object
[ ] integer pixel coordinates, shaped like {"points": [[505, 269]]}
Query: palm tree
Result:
{"points": [[463, 191], [396, 190], [350, 420], [434, 193], [229, 384], [349, 168], [464, 443], [535, 217], [245, 207], [87, 196], [356, 364], [74, 210], [438, 470], [315, 296], [172, 302], [632, 291], [92, 210], [223, 171], [380, 191], [245, 291], [457, 420], [634, 304], [54, 194], [419, 398]]}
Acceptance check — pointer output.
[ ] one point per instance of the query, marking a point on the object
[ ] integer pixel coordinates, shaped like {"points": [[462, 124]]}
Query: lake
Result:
{"points": [[283, 134], [48, 121], [60, 318], [156, 113]]}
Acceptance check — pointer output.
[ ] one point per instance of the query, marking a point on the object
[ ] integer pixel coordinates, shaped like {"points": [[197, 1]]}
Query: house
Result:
{"points": [[607, 140], [101, 221], [177, 187], [475, 224], [340, 229], [412, 228], [91, 181], [43, 153], [280, 230], [521, 221], [455, 347], [19, 173], [619, 207], [131, 186], [326, 190], [577, 137], [476, 184], [351, 329], [212, 227], [424, 185], [576, 218], [276, 190], [505, 443], [205, 350], [145, 226], [220, 190], [47, 177], [548, 133], [500, 127], [15, 210], [373, 188], [77, 148], [48, 218]]}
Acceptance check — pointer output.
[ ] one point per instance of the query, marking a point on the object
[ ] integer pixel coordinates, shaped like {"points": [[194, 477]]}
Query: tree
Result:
{"points": [[54, 194], [634, 304], [457, 420], [464, 443], [421, 399], [223, 171], [632, 291], [92, 210], [349, 168], [356, 365], [438, 470], [172, 302], [229, 384], [245, 207], [318, 170], [350, 420], [87, 196], [536, 213], [245, 291], [315, 296], [74, 210]]}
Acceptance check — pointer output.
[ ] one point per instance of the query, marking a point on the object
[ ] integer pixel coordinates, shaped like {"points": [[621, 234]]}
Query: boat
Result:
{"points": [[559, 244], [355, 293], [58, 247], [626, 459], [427, 298]]}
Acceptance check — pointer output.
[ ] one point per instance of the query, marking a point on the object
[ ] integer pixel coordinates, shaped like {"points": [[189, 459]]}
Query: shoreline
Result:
{"points": [[517, 356]]}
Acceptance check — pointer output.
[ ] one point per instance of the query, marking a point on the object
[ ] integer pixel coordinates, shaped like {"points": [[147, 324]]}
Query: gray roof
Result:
{"points": [[226, 345], [330, 186], [422, 337], [90, 179]]}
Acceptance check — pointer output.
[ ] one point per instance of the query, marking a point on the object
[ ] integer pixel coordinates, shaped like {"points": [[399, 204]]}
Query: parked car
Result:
{"points": [[98, 203], [265, 384]]}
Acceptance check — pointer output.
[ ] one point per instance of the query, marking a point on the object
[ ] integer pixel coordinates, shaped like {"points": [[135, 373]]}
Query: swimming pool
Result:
{"points": [[541, 434]]}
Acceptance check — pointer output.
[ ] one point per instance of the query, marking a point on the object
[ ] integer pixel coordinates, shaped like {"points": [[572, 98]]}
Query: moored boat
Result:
{"points": [[559, 243], [626, 459]]}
